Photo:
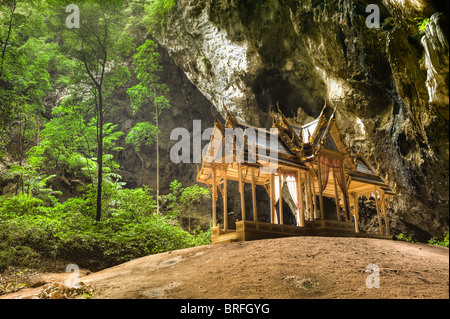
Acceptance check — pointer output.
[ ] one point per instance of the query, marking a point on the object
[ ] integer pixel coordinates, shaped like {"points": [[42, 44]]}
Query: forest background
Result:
{"points": [[45, 49]]}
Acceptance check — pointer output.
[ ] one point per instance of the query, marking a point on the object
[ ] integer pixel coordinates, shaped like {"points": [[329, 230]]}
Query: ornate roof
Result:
{"points": [[297, 145]]}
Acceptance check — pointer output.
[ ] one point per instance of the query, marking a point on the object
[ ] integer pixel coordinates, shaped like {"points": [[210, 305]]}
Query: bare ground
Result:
{"points": [[288, 268]]}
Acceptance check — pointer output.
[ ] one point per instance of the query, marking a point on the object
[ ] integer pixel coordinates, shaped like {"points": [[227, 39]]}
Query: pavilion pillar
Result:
{"points": [[386, 220], [311, 201], [345, 191], [300, 199], [308, 196], [313, 186], [336, 197], [241, 190], [272, 199], [214, 197], [255, 213], [319, 176], [356, 208], [225, 204], [280, 187], [377, 205]]}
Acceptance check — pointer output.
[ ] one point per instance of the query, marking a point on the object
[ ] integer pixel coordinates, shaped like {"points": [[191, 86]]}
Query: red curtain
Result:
{"points": [[335, 164], [324, 171]]}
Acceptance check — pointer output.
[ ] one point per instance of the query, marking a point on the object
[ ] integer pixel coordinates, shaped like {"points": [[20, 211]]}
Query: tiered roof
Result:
{"points": [[298, 145]]}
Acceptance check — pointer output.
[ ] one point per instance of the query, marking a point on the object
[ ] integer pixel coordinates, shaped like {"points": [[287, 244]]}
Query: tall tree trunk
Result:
{"points": [[99, 155], [13, 9], [157, 160]]}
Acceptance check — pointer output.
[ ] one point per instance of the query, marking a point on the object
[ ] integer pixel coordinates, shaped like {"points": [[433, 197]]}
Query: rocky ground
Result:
{"points": [[285, 268]]}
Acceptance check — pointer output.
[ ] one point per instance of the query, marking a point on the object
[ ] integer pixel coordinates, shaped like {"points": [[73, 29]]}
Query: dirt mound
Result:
{"points": [[296, 267]]}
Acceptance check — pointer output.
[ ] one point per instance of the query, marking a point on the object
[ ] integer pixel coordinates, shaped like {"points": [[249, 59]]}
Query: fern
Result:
{"points": [[422, 22]]}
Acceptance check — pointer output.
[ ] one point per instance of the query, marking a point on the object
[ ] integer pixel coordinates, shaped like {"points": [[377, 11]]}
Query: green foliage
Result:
{"points": [[142, 134], [38, 55], [15, 285], [22, 204], [30, 182], [157, 11], [185, 202], [31, 231], [433, 241], [27, 58], [404, 237], [69, 142], [436, 242], [422, 22], [206, 63], [148, 94]]}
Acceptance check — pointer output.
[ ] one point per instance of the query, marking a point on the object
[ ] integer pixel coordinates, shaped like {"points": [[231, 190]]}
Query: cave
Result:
{"points": [[272, 87]]}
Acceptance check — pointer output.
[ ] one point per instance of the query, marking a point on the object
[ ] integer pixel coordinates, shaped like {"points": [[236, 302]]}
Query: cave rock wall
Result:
{"points": [[389, 84]]}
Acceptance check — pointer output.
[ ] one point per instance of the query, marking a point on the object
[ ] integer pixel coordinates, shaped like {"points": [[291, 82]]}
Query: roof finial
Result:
{"points": [[230, 117], [323, 109], [334, 112], [214, 115], [271, 112], [359, 150], [309, 137]]}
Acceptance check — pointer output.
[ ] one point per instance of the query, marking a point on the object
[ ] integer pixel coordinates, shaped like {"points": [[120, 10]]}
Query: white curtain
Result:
{"points": [[292, 185], [291, 180]]}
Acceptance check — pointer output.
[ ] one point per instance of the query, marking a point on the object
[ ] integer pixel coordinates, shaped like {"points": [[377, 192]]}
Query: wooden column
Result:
{"points": [[386, 220], [377, 205], [280, 200], [311, 202], [319, 176], [355, 205], [308, 196], [255, 213], [300, 199], [313, 185], [336, 197], [241, 190], [344, 180], [225, 204], [311, 206], [272, 199], [214, 197]]}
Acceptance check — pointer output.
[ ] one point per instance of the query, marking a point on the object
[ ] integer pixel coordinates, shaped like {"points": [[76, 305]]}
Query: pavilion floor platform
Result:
{"points": [[250, 230]]}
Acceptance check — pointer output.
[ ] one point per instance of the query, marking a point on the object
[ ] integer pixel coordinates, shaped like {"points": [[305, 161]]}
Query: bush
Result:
{"points": [[444, 243], [31, 232], [184, 203], [405, 238], [22, 204], [25, 240]]}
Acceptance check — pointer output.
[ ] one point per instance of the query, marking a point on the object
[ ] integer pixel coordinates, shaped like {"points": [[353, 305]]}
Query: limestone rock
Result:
{"points": [[390, 85]]}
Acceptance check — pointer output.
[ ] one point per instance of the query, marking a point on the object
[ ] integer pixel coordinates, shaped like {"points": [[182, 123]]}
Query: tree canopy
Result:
{"points": [[63, 82]]}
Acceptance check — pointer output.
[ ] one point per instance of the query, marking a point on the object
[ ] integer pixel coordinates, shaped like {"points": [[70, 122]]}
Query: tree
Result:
{"points": [[98, 44], [24, 58], [69, 140], [11, 7], [148, 96], [184, 202]]}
